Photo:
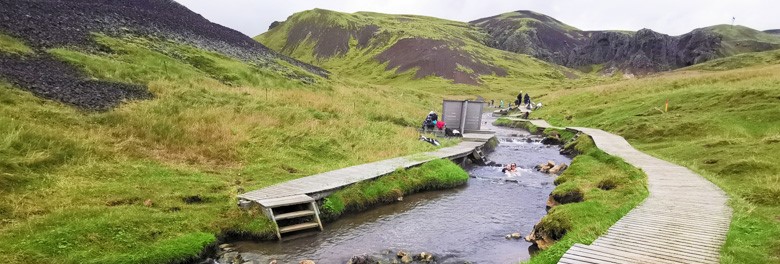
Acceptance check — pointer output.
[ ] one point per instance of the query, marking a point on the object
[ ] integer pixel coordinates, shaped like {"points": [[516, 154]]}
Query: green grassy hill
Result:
{"points": [[154, 181], [738, 39], [528, 32], [74, 184], [394, 49], [721, 123]]}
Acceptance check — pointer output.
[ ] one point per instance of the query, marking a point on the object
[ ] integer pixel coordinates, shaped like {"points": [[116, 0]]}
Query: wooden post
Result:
{"points": [[666, 109]]}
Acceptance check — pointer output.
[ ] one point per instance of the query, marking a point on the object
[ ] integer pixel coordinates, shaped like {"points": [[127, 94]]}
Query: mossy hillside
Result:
{"points": [[575, 221], [359, 62], [738, 39], [117, 186], [433, 175], [744, 60], [528, 20], [721, 124]]}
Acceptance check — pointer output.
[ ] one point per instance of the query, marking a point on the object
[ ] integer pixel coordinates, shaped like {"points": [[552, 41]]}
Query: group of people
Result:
{"points": [[510, 170], [433, 123], [524, 100]]}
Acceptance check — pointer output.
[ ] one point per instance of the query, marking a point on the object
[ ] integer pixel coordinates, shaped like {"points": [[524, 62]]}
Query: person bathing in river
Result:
{"points": [[510, 170]]}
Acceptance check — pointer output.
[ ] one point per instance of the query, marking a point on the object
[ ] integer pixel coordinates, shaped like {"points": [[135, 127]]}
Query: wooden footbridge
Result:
{"points": [[292, 204], [683, 220]]}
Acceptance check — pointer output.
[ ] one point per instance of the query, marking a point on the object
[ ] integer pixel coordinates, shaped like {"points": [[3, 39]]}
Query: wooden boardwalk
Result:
{"points": [[324, 182], [683, 220]]}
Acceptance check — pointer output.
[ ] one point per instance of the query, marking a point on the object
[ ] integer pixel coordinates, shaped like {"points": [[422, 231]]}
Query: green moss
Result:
{"points": [[433, 175], [568, 192], [517, 124], [12, 45]]}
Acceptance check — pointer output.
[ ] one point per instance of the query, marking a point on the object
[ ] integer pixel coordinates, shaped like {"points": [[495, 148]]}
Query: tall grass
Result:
{"points": [[111, 187], [721, 124], [583, 222], [433, 175]]}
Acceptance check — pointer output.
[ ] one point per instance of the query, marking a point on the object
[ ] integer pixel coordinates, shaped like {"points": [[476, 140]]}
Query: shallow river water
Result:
{"points": [[466, 224]]}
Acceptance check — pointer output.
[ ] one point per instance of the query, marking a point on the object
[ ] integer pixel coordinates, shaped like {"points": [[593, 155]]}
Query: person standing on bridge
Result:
{"points": [[519, 99], [527, 99]]}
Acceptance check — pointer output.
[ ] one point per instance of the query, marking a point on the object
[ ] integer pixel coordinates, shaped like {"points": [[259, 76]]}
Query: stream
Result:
{"points": [[462, 225]]}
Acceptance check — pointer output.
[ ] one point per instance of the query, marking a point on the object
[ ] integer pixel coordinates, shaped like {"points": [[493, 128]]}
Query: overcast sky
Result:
{"points": [[673, 17]]}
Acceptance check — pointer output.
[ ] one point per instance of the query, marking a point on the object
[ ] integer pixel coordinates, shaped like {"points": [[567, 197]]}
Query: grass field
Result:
{"points": [[118, 186], [722, 124]]}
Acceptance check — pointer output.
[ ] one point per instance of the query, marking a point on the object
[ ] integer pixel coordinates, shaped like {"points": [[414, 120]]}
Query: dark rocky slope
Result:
{"points": [[44, 24], [640, 52], [430, 46]]}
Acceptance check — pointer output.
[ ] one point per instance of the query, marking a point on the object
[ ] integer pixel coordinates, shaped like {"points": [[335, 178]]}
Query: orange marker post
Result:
{"points": [[666, 109]]}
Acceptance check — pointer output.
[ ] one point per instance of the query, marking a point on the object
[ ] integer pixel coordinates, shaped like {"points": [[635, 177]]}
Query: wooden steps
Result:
{"points": [[285, 201], [297, 227], [292, 213], [295, 215]]}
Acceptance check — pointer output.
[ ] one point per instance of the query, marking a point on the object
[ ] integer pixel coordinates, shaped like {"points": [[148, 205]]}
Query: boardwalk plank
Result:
{"points": [[635, 258], [587, 252], [666, 244], [346, 176], [684, 219], [656, 251]]}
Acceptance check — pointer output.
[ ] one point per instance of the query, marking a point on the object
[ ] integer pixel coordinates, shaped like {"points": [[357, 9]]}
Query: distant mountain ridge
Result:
{"points": [[320, 35], [641, 52], [401, 44]]}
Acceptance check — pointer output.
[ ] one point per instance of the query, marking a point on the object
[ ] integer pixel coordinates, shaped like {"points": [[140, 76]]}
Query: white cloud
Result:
{"points": [[673, 17]]}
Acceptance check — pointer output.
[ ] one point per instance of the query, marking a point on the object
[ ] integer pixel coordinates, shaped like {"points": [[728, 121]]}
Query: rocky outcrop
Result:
{"points": [[531, 33], [45, 24], [645, 51], [49, 23], [545, 167], [641, 52], [543, 241], [558, 169], [551, 168]]}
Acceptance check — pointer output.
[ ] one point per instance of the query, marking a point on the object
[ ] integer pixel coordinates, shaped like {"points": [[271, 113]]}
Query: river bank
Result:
{"points": [[589, 197], [467, 223]]}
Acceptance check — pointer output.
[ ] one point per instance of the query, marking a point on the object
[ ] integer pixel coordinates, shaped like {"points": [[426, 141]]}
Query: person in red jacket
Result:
{"points": [[440, 124]]}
